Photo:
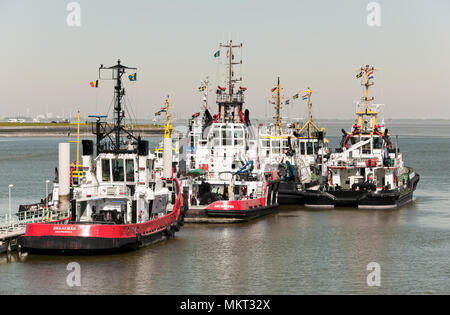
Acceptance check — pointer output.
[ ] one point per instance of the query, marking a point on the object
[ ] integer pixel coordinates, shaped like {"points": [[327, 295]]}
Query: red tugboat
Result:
{"points": [[225, 179], [116, 203]]}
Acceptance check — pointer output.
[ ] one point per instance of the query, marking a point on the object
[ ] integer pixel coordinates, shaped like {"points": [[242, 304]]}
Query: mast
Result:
{"points": [[230, 102], [77, 165], [168, 128], [277, 103], [309, 124], [78, 142], [117, 129], [204, 88], [367, 73], [167, 142], [308, 93]]}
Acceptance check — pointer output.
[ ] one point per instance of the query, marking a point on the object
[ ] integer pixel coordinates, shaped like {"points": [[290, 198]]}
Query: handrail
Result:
{"points": [[21, 219]]}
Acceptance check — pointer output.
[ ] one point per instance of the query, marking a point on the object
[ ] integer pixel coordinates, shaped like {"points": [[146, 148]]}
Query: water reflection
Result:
{"points": [[294, 251]]}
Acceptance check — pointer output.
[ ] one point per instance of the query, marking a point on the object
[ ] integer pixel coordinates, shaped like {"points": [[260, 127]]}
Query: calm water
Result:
{"points": [[294, 251]]}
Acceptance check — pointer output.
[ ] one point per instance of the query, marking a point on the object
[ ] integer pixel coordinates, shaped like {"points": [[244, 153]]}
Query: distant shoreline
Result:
{"points": [[64, 130]]}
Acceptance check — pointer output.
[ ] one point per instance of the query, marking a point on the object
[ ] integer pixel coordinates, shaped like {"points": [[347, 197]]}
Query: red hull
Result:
{"points": [[78, 236], [241, 205], [244, 209]]}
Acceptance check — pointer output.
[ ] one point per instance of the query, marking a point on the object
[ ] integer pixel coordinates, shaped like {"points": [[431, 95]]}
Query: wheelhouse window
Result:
{"points": [[377, 142], [302, 148], [130, 170], [117, 170], [238, 135], [106, 169], [309, 148], [150, 167], [226, 136], [316, 147], [275, 146], [366, 147]]}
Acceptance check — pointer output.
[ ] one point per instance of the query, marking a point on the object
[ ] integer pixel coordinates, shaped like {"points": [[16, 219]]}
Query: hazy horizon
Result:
{"points": [[47, 65]]}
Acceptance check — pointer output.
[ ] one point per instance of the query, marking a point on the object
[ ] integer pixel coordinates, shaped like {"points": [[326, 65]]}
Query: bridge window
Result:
{"points": [[302, 148], [106, 177], [117, 170], [130, 170], [377, 142], [309, 148], [316, 147], [366, 147], [238, 134], [149, 165], [226, 136]]}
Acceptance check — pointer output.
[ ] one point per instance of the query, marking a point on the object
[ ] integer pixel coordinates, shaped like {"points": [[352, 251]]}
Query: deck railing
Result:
{"points": [[20, 220]]}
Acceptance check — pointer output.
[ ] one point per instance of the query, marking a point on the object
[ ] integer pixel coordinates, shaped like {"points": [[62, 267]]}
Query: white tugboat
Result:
{"points": [[225, 176], [367, 171], [116, 202], [298, 152], [276, 141]]}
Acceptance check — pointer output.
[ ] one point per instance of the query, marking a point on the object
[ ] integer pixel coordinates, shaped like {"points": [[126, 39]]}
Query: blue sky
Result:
{"points": [[48, 65]]}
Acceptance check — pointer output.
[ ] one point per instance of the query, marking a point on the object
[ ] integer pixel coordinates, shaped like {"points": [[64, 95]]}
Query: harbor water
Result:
{"points": [[294, 251]]}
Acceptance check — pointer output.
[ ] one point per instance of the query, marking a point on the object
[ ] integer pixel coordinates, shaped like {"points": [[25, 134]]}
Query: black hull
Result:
{"points": [[244, 215], [348, 198], [288, 194]]}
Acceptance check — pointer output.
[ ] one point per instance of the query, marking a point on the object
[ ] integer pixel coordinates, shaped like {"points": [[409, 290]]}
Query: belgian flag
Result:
{"points": [[94, 84]]}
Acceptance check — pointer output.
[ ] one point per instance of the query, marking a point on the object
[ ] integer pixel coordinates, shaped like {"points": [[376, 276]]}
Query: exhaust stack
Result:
{"points": [[64, 175]]}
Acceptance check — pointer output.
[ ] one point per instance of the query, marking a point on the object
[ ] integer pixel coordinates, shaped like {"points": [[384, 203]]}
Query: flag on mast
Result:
{"points": [[94, 84], [217, 54], [132, 77]]}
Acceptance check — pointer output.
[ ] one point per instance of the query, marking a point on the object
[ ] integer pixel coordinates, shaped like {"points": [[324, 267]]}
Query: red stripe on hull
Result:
{"points": [[101, 230], [237, 205], [117, 232]]}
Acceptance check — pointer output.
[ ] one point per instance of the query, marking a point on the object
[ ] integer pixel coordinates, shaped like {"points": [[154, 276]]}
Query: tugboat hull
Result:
{"points": [[91, 237], [289, 194], [233, 211]]}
